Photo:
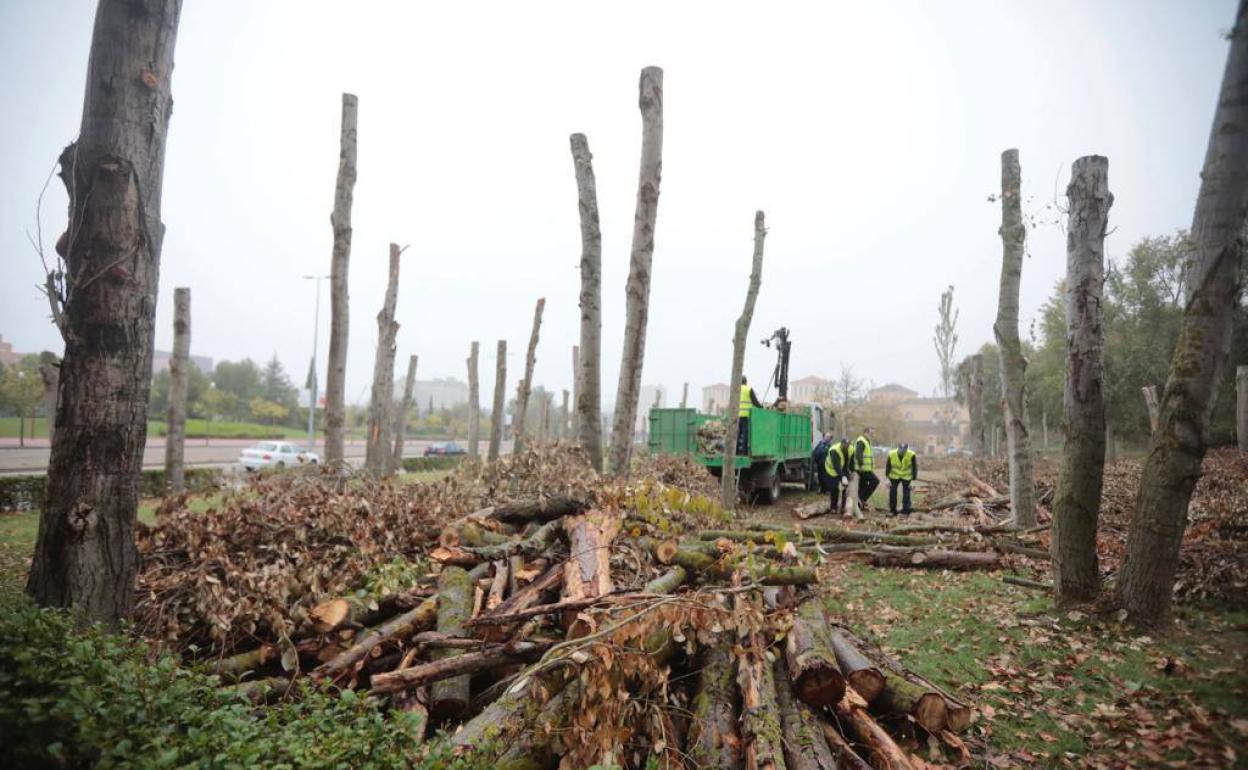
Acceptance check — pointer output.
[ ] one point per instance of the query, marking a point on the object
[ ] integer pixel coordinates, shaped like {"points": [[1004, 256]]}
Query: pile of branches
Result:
{"points": [[590, 636]]}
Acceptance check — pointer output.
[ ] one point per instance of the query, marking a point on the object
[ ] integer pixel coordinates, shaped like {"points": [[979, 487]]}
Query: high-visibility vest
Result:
{"points": [[867, 461], [900, 466], [827, 463], [744, 409]]}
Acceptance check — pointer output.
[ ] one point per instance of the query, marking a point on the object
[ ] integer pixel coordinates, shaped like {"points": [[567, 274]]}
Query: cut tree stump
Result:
{"points": [[860, 671], [878, 746], [812, 665]]}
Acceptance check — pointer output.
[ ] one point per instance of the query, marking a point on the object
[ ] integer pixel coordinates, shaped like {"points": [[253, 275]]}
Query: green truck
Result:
{"points": [[779, 447]]}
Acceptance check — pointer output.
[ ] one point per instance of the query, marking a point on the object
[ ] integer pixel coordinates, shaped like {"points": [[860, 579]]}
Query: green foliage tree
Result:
{"points": [[21, 389], [267, 411], [197, 383], [240, 379]]}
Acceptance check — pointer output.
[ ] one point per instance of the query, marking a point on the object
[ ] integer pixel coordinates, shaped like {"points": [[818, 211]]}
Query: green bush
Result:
{"points": [[432, 463], [92, 699], [24, 493]]}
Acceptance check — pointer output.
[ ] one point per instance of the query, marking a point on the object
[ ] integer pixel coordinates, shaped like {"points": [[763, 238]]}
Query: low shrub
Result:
{"points": [[25, 493], [432, 463]]}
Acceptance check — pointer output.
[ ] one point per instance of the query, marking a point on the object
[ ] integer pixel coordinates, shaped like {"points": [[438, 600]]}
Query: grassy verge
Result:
{"points": [[1060, 688]]}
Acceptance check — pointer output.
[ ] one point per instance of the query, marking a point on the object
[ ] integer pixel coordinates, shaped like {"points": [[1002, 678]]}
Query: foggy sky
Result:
{"points": [[870, 136]]}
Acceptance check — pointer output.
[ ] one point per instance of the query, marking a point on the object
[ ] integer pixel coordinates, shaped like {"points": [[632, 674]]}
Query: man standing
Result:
{"points": [[901, 467], [864, 463], [817, 457], [837, 467], [748, 399]]}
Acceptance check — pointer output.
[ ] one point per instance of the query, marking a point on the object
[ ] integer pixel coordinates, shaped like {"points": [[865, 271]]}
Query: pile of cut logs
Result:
{"points": [[548, 633]]}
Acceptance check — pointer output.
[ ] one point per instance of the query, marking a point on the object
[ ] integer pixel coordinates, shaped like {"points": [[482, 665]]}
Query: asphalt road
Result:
{"points": [[216, 453]]}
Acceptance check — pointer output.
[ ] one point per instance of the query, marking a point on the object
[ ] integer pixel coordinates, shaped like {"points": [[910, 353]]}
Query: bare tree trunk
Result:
{"points": [[85, 557], [175, 434], [50, 374], [1044, 429], [562, 431], [400, 419], [500, 402], [339, 305], [684, 396], [1241, 407], [574, 418], [1150, 403], [637, 309], [474, 403], [1076, 575], [1200, 355], [378, 450], [1111, 444], [728, 475], [588, 356], [1013, 364], [975, 404], [525, 388]]}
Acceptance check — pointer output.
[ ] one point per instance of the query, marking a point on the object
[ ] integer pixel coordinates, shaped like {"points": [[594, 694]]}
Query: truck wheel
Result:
{"points": [[771, 494], [766, 487]]}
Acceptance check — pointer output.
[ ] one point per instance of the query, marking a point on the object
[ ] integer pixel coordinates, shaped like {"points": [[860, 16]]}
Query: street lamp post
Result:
{"points": [[316, 327]]}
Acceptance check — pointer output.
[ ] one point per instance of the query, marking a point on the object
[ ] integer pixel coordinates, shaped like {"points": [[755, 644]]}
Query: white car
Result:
{"points": [[276, 454]]}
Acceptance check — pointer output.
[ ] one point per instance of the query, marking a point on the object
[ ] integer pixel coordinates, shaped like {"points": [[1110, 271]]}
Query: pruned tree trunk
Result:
{"points": [[339, 304], [175, 433], [1241, 407], [474, 403], [1044, 430], [378, 452], [574, 428], [684, 396], [500, 397], [50, 375], [400, 419], [85, 557], [1013, 364], [637, 310], [525, 388], [728, 475], [587, 357], [1151, 404], [1146, 582], [1075, 572], [562, 432]]}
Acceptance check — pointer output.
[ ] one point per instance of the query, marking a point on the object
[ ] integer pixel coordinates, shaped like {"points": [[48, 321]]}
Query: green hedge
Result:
{"points": [[432, 463], [24, 493], [92, 699]]}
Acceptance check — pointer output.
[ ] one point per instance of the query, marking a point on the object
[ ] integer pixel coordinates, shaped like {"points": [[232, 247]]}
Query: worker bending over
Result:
{"points": [[864, 463], [837, 467], [818, 457], [901, 467], [748, 399]]}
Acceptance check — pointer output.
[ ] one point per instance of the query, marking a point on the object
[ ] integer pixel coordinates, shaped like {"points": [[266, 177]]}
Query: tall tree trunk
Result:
{"points": [[1111, 445], [400, 419], [474, 403], [1200, 355], [1151, 404], [339, 305], [1075, 572], [637, 308], [562, 432], [378, 449], [574, 426], [588, 356], [684, 396], [728, 476], [975, 404], [85, 557], [50, 374], [1241, 407], [498, 418], [1044, 429], [175, 434], [1013, 364], [525, 388]]}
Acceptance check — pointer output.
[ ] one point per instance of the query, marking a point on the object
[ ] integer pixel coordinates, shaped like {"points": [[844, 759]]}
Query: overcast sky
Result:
{"points": [[869, 133]]}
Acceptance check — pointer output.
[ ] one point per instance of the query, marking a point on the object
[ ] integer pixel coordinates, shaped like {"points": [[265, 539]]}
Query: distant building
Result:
{"points": [[810, 390], [929, 425], [445, 393], [7, 356], [714, 398], [160, 362]]}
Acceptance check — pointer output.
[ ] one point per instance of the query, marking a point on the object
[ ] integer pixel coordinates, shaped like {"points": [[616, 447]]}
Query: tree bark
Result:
{"points": [[564, 415], [906, 698], [474, 403], [1013, 364], [456, 666], [860, 672], [449, 697], [574, 417], [761, 733], [175, 433], [587, 357], [728, 474], [812, 665], [1241, 407], [878, 744], [400, 419], [884, 556], [525, 388], [587, 573], [1200, 358], [1075, 571], [975, 404], [500, 396], [339, 305], [50, 374], [713, 737], [1151, 404], [85, 557], [684, 396], [805, 748], [378, 451], [637, 308]]}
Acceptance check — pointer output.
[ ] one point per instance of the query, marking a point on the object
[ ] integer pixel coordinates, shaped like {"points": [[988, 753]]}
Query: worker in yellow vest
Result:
{"points": [[748, 399], [864, 463], [836, 466], [902, 467]]}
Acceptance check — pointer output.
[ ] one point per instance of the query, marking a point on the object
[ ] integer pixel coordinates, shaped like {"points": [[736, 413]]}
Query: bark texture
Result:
{"points": [[449, 697], [1200, 358], [574, 418], [339, 304], [85, 557], [525, 389], [378, 451], [728, 478], [1241, 407], [400, 419], [713, 737], [1013, 364], [175, 436], [500, 398], [637, 309], [975, 405], [474, 403], [587, 358], [1152, 404], [1075, 572], [805, 748]]}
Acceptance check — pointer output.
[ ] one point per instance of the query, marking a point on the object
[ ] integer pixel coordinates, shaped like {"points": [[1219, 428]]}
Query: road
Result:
{"points": [[199, 453]]}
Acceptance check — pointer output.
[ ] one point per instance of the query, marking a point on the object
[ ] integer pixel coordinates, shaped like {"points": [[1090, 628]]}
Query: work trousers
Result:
{"points": [[905, 495], [743, 436], [837, 496], [867, 482]]}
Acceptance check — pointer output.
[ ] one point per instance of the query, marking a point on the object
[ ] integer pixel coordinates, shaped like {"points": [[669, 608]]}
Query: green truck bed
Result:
{"points": [[774, 436]]}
